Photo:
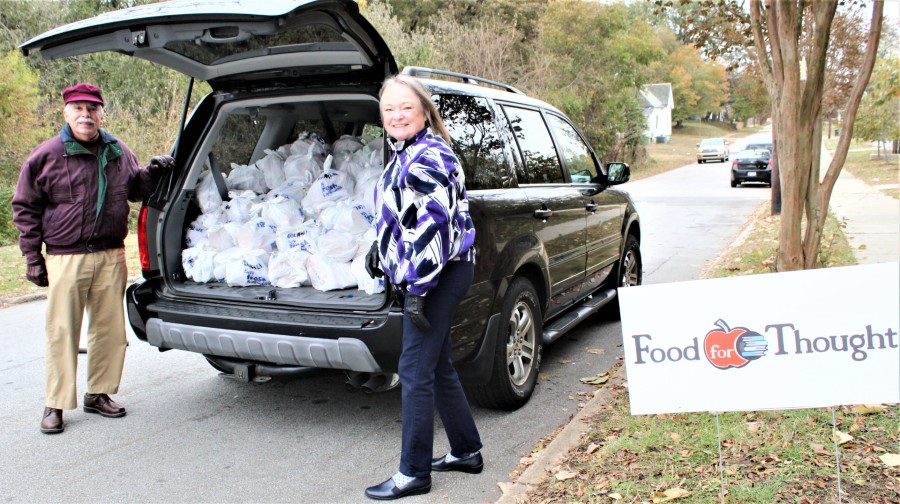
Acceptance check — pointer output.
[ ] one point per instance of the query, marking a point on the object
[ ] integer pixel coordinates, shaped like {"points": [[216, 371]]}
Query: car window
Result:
{"points": [[476, 141], [237, 139], [578, 159], [208, 50], [541, 162], [712, 141]]}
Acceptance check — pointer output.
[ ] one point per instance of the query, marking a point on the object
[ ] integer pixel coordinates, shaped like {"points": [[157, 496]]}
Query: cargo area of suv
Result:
{"points": [[251, 247]]}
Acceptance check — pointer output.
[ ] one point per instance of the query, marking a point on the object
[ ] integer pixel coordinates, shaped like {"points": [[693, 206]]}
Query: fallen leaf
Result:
{"points": [[842, 437], [565, 361], [669, 495], [504, 487], [592, 447], [596, 351], [754, 426], [867, 409], [891, 459], [566, 475], [600, 379], [816, 447], [543, 376], [526, 460], [616, 496], [675, 437]]}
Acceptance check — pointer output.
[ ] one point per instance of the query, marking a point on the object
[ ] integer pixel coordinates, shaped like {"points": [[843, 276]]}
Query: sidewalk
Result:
{"points": [[872, 218]]}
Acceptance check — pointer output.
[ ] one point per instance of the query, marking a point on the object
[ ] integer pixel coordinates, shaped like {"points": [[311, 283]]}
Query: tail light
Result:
{"points": [[143, 249], [734, 165], [769, 165]]}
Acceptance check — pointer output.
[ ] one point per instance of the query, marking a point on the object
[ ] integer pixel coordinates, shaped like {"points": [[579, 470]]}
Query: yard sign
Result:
{"points": [[801, 339]]}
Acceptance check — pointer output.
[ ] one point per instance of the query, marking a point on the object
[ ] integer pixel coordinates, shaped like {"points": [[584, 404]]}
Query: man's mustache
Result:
{"points": [[89, 122]]}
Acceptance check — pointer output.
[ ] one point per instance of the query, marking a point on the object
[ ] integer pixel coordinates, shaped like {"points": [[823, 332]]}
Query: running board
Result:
{"points": [[574, 316]]}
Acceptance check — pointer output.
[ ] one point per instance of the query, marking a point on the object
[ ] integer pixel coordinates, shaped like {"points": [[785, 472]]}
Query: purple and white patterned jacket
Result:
{"points": [[423, 213]]}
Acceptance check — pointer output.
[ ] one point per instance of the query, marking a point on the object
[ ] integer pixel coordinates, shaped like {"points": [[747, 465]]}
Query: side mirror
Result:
{"points": [[617, 173], [698, 145]]}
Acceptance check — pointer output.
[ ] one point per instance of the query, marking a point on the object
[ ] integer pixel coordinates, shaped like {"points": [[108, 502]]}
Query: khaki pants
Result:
{"points": [[91, 283]]}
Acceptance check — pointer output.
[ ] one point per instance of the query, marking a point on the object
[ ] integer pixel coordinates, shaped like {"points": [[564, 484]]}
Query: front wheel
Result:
{"points": [[517, 358], [629, 272]]}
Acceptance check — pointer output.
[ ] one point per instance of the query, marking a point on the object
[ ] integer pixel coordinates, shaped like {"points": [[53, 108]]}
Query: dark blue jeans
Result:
{"points": [[427, 378]]}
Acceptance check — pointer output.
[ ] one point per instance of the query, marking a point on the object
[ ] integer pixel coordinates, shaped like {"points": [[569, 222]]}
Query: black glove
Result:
{"points": [[36, 273], [159, 165], [415, 310], [372, 263]]}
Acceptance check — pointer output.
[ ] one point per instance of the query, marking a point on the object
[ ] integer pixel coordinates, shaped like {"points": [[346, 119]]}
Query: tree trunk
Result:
{"points": [[797, 107]]}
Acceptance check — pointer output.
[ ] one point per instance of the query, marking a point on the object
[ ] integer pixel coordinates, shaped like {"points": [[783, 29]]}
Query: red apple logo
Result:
{"points": [[726, 348]]}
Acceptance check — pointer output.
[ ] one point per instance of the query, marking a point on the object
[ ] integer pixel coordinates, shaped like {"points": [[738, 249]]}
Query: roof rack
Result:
{"points": [[426, 73]]}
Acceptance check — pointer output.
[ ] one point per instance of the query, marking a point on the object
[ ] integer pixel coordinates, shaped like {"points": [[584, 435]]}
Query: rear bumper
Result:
{"points": [[762, 175], [339, 353]]}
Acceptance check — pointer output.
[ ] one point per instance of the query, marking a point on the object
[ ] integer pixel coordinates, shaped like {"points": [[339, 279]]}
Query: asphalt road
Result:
{"points": [[192, 435]]}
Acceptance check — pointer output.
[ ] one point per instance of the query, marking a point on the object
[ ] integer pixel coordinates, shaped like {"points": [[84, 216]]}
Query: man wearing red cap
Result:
{"points": [[72, 198]]}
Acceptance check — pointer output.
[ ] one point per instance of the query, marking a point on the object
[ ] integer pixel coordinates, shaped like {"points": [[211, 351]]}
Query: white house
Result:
{"points": [[658, 104]]}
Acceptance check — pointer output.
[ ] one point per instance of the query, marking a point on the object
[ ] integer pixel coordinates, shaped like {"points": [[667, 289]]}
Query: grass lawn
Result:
{"points": [[12, 270], [682, 147], [767, 456], [875, 172]]}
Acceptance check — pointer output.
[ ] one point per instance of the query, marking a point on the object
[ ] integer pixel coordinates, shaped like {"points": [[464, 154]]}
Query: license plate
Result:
{"points": [[751, 174]]}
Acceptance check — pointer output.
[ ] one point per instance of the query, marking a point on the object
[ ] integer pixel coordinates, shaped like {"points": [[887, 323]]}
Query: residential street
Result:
{"points": [[192, 435]]}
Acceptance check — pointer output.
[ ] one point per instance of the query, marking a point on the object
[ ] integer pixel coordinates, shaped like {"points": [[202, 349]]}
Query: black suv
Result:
{"points": [[554, 240]]}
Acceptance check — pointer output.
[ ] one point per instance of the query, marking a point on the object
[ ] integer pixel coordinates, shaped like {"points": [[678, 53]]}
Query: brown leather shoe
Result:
{"points": [[52, 423], [102, 405]]}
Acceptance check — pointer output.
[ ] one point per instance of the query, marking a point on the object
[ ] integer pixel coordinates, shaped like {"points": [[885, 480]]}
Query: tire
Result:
{"points": [[629, 272], [699, 161], [734, 183], [517, 358]]}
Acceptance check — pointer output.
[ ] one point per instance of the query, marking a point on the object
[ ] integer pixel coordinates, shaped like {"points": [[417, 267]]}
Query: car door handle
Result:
{"points": [[591, 207], [543, 213]]}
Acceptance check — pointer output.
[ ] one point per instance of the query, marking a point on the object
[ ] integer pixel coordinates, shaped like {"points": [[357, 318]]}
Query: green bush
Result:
{"points": [[9, 235]]}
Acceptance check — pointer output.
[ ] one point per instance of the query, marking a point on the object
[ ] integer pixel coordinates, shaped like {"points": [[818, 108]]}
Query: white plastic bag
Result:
{"points": [[246, 178], [326, 274], [257, 234], [363, 280], [199, 263], [349, 216], [331, 185], [239, 208], [249, 267], [309, 142], [303, 237], [207, 194], [272, 167], [288, 269], [223, 236], [305, 166], [293, 188], [281, 211], [337, 245]]}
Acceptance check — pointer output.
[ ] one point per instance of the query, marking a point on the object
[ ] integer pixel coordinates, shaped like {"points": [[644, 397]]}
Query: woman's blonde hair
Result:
{"points": [[432, 116]]}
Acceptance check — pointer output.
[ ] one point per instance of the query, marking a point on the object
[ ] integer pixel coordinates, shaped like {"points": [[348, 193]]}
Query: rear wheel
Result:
{"points": [[518, 355]]}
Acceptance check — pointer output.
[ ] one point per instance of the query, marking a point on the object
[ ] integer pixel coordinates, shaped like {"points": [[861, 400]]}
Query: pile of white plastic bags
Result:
{"points": [[302, 215]]}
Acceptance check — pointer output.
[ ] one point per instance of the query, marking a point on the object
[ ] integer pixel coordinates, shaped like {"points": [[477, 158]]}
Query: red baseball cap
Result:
{"points": [[83, 92]]}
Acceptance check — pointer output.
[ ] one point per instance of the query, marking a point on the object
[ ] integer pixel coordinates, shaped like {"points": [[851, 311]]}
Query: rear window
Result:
{"points": [[217, 45]]}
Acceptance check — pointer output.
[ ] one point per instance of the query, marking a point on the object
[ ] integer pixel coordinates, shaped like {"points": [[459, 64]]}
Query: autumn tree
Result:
{"points": [[699, 86], [879, 111], [590, 60], [749, 97], [797, 95]]}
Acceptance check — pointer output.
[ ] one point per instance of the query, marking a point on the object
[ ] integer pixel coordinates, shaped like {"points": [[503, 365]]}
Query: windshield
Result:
{"points": [[712, 141]]}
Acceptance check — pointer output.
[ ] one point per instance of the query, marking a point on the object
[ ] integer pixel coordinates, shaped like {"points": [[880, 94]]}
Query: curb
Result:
{"points": [[569, 438]]}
